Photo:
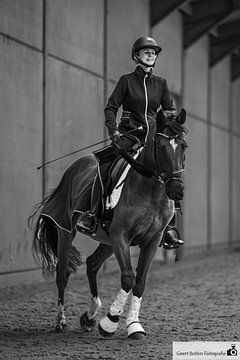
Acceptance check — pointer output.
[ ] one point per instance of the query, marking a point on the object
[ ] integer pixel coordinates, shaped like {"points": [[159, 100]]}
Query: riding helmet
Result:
{"points": [[145, 42]]}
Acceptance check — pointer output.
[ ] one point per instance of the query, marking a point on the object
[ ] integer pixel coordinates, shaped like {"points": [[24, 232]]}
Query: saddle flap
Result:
{"points": [[115, 172]]}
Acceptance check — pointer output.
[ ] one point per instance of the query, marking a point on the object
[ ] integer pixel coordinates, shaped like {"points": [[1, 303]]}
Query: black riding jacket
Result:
{"points": [[141, 94]]}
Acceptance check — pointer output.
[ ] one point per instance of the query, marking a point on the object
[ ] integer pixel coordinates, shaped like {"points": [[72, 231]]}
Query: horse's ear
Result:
{"points": [[181, 118], [161, 121]]}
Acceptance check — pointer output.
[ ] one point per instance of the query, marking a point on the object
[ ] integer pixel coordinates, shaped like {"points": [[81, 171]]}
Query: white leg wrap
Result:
{"points": [[134, 328], [132, 322], [134, 310], [117, 306], [108, 325], [94, 307]]}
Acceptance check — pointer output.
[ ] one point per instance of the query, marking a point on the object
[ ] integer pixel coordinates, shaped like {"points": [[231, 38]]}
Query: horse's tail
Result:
{"points": [[45, 243]]}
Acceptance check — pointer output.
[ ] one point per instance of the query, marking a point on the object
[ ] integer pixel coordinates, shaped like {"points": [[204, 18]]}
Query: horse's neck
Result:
{"points": [[147, 158], [147, 189]]}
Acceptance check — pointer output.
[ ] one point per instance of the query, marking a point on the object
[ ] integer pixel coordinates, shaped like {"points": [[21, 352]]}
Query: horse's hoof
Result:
{"points": [[108, 325], [136, 331], [103, 332], [86, 323], [61, 328], [137, 336]]}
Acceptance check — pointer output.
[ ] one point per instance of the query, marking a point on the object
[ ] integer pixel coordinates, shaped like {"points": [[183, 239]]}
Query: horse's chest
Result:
{"points": [[148, 219]]}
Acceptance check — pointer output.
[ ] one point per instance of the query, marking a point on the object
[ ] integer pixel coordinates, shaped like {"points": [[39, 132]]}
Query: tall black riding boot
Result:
{"points": [[171, 237]]}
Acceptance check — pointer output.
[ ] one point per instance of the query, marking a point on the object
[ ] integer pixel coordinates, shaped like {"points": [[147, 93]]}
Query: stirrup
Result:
{"points": [[169, 241], [87, 223]]}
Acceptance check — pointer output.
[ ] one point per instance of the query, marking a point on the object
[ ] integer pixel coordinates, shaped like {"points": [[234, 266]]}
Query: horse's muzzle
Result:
{"points": [[175, 189]]}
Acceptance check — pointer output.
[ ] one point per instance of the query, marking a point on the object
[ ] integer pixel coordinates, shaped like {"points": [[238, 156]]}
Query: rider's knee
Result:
{"points": [[128, 280]]}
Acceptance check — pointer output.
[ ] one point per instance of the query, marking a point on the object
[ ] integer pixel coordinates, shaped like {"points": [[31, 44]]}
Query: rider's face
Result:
{"points": [[147, 55]]}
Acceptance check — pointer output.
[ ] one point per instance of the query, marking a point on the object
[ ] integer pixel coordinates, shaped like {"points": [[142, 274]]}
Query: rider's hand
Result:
{"points": [[115, 136]]}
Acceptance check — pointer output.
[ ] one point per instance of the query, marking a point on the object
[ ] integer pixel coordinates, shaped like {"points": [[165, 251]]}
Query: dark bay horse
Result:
{"points": [[145, 208]]}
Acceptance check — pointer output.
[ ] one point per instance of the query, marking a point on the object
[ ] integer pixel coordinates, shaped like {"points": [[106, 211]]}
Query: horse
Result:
{"points": [[145, 208]]}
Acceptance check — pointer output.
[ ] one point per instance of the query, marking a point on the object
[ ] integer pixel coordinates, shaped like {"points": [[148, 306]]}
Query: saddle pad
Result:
{"points": [[114, 197]]}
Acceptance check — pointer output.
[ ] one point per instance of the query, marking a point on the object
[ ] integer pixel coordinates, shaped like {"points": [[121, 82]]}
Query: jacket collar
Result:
{"points": [[140, 72]]}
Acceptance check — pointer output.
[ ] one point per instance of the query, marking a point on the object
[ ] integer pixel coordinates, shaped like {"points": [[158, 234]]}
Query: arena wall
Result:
{"points": [[21, 129], [196, 93], [235, 163]]}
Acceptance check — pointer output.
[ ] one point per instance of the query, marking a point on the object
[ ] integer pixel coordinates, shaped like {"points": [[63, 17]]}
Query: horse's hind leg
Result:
{"points": [[94, 263], [64, 246]]}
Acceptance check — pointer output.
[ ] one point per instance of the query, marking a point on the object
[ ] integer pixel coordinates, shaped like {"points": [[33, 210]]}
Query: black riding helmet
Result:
{"points": [[143, 43]]}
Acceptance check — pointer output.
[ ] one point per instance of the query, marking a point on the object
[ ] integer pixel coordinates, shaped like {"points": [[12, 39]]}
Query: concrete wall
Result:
{"points": [[21, 129], [219, 151], [22, 20], [75, 32], [196, 95], [168, 34], [235, 153]]}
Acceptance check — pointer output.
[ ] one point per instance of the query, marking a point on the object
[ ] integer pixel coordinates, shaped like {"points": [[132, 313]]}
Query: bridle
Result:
{"points": [[164, 178]]}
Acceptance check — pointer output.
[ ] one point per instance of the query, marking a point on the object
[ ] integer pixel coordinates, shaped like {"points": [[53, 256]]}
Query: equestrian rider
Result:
{"points": [[140, 93]]}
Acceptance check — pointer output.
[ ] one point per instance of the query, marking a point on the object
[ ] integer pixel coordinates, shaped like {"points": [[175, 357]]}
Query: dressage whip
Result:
{"points": [[85, 148]]}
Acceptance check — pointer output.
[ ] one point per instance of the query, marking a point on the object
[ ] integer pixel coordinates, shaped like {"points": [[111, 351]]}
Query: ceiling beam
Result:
{"points": [[205, 15], [225, 43], [161, 8], [235, 66]]}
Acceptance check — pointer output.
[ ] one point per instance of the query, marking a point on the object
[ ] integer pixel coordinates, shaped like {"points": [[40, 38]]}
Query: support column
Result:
{"points": [[44, 95]]}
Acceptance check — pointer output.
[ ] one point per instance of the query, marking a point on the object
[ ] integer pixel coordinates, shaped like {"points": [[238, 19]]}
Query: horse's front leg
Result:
{"points": [[109, 324], [94, 263], [64, 245], [147, 252]]}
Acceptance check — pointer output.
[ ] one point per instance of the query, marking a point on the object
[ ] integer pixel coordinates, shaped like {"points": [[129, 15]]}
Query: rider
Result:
{"points": [[140, 94]]}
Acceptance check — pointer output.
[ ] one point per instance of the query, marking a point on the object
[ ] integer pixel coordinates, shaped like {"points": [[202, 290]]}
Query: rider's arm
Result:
{"points": [[114, 102], [167, 101]]}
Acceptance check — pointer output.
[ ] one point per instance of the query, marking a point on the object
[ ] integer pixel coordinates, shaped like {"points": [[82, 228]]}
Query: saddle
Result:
{"points": [[114, 174], [111, 167]]}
